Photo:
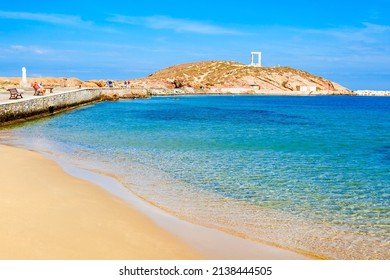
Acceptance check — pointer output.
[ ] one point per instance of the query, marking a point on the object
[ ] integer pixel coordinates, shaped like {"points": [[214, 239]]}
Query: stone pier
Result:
{"points": [[22, 109]]}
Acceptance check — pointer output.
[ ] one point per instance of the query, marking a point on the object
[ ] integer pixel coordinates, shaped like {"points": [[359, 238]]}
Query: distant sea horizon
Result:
{"points": [[310, 174]]}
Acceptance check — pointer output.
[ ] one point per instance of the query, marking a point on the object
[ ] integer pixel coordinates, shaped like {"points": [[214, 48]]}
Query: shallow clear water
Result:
{"points": [[311, 174]]}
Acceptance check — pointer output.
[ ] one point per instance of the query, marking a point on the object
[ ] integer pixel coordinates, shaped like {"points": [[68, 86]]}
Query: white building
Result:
{"points": [[307, 88]]}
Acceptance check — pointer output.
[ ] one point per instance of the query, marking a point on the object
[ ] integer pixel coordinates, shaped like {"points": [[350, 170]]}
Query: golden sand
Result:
{"points": [[47, 214]]}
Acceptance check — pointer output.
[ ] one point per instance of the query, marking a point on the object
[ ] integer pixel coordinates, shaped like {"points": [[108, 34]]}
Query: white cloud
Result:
{"points": [[175, 24], [376, 28], [29, 49], [56, 19], [368, 32]]}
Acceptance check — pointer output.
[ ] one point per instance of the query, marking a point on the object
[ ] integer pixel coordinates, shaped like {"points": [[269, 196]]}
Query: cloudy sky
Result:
{"points": [[344, 41]]}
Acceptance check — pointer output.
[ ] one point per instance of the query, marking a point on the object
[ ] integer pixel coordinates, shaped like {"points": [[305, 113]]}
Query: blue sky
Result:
{"points": [[347, 42]]}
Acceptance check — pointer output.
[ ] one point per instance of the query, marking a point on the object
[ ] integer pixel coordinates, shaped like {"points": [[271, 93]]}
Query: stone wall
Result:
{"points": [[45, 105]]}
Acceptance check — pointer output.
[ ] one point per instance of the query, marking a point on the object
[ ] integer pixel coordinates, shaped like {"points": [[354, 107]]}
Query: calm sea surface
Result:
{"points": [[311, 174]]}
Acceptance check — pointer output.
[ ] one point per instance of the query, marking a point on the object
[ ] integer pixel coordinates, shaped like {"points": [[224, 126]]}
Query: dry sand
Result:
{"points": [[45, 213]]}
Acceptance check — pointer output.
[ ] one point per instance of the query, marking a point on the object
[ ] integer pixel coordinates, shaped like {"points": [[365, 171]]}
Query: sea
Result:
{"points": [[310, 174]]}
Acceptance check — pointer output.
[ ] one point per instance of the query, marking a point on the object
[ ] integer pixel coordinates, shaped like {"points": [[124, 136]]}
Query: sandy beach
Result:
{"points": [[46, 213]]}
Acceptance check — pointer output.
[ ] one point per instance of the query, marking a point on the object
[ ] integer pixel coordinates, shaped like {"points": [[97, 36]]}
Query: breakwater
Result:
{"points": [[372, 92], [38, 106]]}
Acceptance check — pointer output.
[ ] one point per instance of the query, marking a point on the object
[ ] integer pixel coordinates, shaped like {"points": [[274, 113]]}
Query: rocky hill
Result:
{"points": [[207, 77], [228, 74]]}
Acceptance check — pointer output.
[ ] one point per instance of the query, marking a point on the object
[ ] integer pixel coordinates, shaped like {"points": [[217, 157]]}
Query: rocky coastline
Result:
{"points": [[372, 92]]}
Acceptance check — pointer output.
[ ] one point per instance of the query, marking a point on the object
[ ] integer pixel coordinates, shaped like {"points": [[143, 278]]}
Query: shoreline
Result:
{"points": [[191, 241]]}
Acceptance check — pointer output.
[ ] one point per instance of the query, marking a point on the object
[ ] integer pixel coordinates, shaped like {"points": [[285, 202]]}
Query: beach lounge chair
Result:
{"points": [[14, 94]]}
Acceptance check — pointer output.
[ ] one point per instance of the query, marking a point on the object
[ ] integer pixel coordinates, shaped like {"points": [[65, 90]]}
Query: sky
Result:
{"points": [[347, 42]]}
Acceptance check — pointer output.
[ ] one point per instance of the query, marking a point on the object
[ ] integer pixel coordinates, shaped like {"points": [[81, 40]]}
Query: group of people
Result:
{"points": [[111, 84], [127, 83], [39, 90]]}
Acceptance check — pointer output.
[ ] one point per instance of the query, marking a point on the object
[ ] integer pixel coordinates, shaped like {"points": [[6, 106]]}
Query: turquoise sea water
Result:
{"points": [[311, 174]]}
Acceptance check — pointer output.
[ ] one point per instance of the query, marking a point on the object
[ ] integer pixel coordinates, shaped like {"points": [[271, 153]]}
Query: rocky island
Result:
{"points": [[234, 77]]}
